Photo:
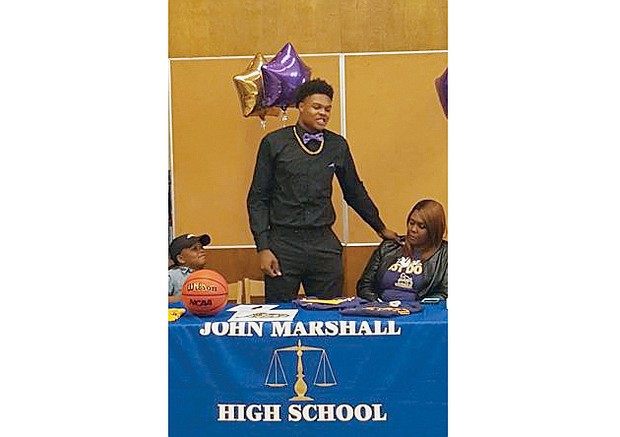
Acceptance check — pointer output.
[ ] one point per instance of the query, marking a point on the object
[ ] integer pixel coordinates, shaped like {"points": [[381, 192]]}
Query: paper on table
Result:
{"points": [[248, 307], [263, 316]]}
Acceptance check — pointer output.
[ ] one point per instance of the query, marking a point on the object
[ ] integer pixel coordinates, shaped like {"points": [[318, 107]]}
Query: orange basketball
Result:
{"points": [[205, 292]]}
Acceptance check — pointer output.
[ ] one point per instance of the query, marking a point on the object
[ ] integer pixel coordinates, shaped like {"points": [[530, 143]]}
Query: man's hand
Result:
{"points": [[388, 234], [269, 264]]}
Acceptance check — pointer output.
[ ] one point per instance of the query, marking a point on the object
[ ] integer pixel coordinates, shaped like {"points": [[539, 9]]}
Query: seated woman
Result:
{"points": [[416, 269]]}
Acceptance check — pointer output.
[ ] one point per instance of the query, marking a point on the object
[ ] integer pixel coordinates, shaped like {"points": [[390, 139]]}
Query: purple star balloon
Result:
{"points": [[441, 84], [281, 77]]}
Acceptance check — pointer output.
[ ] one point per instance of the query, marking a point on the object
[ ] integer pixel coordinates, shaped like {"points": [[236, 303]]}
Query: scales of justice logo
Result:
{"points": [[276, 377]]}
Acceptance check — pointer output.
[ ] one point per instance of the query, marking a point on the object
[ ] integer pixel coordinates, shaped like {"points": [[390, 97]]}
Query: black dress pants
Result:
{"points": [[310, 256]]}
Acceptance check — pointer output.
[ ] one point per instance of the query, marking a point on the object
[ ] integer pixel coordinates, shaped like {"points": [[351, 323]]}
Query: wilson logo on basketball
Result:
{"points": [[197, 286]]}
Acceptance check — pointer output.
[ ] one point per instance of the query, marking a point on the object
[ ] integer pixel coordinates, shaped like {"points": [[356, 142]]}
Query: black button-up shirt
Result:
{"points": [[293, 188]]}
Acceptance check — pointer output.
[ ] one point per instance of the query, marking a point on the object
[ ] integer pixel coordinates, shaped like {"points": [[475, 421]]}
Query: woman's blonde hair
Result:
{"points": [[434, 218]]}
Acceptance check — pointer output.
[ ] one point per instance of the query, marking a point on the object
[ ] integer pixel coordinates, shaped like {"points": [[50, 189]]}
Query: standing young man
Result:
{"points": [[289, 202]]}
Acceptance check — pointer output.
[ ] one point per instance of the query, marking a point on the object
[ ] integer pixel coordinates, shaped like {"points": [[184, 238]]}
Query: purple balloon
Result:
{"points": [[281, 77], [441, 84]]}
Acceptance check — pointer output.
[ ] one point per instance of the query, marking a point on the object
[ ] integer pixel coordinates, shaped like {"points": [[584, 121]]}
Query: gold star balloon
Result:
{"points": [[250, 88]]}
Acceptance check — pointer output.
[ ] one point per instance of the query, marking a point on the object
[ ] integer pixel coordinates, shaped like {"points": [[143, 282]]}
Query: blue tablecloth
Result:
{"points": [[359, 375]]}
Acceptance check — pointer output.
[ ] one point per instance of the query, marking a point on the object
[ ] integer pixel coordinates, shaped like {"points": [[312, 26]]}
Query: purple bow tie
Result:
{"points": [[309, 137]]}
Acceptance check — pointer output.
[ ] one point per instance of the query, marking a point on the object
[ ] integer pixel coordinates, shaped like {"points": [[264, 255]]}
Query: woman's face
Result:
{"points": [[417, 233]]}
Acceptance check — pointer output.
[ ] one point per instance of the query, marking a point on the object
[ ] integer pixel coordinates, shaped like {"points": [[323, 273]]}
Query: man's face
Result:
{"points": [[194, 257], [314, 112]]}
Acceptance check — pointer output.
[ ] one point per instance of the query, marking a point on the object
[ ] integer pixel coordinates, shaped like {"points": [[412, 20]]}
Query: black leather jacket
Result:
{"points": [[435, 269]]}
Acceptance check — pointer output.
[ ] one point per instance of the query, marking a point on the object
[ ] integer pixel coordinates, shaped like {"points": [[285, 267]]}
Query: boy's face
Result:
{"points": [[314, 112], [194, 257]]}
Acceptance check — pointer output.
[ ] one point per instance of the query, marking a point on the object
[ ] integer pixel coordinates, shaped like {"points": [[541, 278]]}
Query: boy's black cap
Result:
{"points": [[184, 241]]}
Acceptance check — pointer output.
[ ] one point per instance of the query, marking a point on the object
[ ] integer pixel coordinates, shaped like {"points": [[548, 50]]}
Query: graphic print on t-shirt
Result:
{"points": [[404, 274]]}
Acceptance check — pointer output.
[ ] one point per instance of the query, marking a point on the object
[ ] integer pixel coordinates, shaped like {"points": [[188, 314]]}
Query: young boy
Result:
{"points": [[187, 253]]}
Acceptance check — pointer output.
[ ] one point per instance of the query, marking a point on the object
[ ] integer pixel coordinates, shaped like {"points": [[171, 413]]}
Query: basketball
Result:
{"points": [[205, 292]]}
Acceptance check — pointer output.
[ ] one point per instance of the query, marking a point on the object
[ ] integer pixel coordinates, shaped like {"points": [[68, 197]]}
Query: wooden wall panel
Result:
{"points": [[395, 25], [238, 27], [355, 259], [235, 264], [214, 147], [398, 134], [396, 129]]}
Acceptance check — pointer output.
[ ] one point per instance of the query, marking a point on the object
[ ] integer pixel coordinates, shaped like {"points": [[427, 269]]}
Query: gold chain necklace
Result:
{"points": [[303, 146]]}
